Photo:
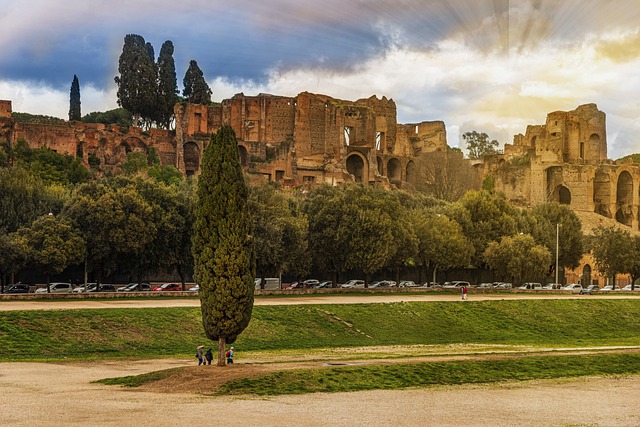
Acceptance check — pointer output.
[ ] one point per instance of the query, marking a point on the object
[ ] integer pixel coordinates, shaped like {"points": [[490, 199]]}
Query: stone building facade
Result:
{"points": [[303, 140]]}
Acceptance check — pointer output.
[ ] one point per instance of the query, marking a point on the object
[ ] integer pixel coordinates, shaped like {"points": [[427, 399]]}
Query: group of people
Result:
{"points": [[205, 358]]}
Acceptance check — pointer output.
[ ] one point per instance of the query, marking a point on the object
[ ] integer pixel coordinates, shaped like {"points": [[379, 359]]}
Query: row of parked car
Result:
{"points": [[66, 288]]}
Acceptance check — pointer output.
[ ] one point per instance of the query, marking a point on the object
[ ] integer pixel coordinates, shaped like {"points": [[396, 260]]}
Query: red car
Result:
{"points": [[168, 287]]}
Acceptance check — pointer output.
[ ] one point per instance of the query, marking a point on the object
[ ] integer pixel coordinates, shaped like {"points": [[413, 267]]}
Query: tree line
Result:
{"points": [[54, 213]]}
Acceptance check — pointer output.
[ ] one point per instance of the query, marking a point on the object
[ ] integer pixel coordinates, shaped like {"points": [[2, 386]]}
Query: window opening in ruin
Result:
{"points": [[308, 179], [564, 195], [243, 155], [379, 162], [586, 275], [582, 150], [197, 118], [279, 175], [191, 158], [356, 167], [378, 140], [394, 170], [416, 129], [347, 135], [410, 171], [602, 193]]}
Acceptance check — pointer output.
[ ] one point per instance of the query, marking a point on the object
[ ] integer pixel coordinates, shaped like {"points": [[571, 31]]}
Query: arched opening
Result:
{"points": [[564, 195], [394, 170], [380, 164], [555, 184], [534, 139], [586, 275], [243, 155], [602, 193], [624, 198], [191, 158], [411, 169], [356, 167], [135, 145]]}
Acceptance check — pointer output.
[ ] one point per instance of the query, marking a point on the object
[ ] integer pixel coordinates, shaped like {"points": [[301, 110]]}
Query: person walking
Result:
{"points": [[209, 356], [200, 355], [230, 355], [464, 293]]}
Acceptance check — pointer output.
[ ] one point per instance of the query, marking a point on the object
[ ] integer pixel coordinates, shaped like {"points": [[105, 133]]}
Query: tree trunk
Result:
{"points": [[222, 349], [182, 277], [435, 268]]}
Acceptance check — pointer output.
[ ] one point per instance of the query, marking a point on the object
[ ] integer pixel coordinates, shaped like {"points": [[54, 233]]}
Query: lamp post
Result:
{"points": [[557, 245]]}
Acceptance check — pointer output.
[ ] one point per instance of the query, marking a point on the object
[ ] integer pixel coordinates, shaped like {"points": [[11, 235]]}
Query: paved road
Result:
{"points": [[12, 305]]}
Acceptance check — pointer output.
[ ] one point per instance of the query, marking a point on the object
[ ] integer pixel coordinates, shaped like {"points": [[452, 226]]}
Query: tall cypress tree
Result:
{"points": [[196, 88], [223, 248], [167, 85], [74, 100], [138, 78]]}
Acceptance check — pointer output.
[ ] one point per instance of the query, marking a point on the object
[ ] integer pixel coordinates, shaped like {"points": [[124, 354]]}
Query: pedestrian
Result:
{"points": [[230, 355], [464, 293], [209, 356], [200, 355]]}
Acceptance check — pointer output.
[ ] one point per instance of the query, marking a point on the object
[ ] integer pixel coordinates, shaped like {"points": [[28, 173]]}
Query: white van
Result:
{"points": [[269, 283]]}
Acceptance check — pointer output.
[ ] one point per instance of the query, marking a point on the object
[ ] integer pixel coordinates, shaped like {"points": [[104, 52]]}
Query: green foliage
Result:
{"points": [[223, 246], [635, 158], [93, 160], [74, 100], [25, 197], [479, 145], [14, 254], [168, 175], [518, 257], [51, 167], [36, 119], [614, 250], [137, 80], [52, 244], [280, 230], [136, 162], [196, 89], [118, 116], [488, 183], [167, 85], [570, 241], [152, 157]]}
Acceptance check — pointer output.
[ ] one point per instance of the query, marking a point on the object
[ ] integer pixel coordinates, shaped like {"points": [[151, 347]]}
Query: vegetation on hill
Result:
{"points": [[36, 119]]}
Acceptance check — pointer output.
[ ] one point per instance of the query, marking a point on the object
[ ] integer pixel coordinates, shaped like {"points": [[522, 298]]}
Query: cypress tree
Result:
{"points": [[74, 100], [167, 85], [223, 248], [196, 89]]}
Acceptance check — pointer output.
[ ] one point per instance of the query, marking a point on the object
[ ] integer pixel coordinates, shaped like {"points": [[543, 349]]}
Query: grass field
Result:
{"points": [[174, 332]]}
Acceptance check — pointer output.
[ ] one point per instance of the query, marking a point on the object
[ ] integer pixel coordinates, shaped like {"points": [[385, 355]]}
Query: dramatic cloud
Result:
{"points": [[488, 65]]}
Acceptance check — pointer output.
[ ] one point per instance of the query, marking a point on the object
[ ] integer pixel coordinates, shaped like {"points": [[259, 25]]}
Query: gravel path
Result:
{"points": [[44, 394]]}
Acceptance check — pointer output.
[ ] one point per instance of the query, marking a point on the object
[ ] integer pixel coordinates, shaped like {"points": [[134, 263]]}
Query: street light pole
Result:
{"points": [[557, 245]]}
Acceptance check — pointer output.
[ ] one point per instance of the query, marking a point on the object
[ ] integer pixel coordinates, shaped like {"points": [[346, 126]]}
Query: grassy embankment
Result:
{"points": [[174, 332]]}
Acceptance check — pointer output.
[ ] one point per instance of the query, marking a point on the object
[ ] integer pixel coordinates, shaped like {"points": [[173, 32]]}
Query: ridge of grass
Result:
{"points": [[174, 332]]}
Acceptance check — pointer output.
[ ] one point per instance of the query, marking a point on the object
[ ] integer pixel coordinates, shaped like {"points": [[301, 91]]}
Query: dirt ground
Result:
{"points": [[62, 394], [46, 394]]}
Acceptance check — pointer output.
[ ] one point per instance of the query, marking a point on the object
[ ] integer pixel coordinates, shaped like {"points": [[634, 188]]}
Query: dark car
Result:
{"points": [[17, 289], [135, 287], [168, 287]]}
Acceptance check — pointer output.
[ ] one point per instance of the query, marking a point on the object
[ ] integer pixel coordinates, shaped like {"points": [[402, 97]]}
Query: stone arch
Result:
{"points": [[380, 165], [133, 144], [357, 166], [602, 193], [534, 139], [624, 217], [554, 183], [394, 169], [244, 156], [586, 275], [191, 153], [564, 195], [410, 171]]}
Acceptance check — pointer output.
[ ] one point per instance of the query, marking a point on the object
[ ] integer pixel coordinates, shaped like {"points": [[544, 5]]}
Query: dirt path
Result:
{"points": [[36, 394], [10, 305]]}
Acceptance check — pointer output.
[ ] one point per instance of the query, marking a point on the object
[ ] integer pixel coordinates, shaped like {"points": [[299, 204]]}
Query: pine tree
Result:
{"points": [[74, 100], [167, 85], [137, 83], [196, 88], [223, 248]]}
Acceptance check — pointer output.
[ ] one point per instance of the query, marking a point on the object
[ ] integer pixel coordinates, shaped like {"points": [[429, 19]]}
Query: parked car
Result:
{"points": [[485, 285], [502, 285], [591, 289], [353, 284], [135, 287], [575, 288], [407, 284], [56, 288], [431, 285], [81, 288], [168, 287], [608, 288], [310, 283], [628, 288], [293, 285], [18, 288], [531, 286], [552, 286], [383, 284], [455, 285], [323, 285], [104, 287], [195, 288]]}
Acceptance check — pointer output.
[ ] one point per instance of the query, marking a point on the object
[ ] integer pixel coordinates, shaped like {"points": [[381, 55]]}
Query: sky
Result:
{"points": [[493, 66]]}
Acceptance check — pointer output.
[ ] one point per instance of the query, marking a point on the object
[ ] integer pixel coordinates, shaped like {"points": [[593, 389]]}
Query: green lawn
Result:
{"points": [[174, 332]]}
